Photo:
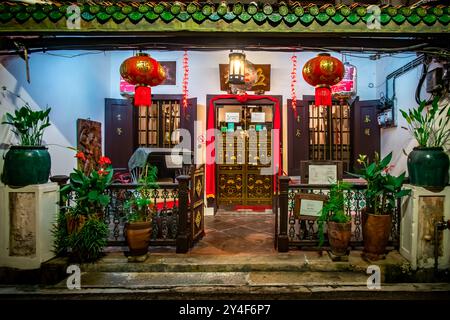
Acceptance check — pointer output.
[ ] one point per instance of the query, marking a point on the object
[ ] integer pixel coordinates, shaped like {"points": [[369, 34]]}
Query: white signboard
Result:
{"points": [[322, 174], [231, 116], [310, 207], [258, 117]]}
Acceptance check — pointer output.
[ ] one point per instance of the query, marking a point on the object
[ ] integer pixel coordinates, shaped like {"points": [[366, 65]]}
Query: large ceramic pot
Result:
{"points": [[339, 235], [428, 167], [138, 237], [25, 165], [376, 230]]}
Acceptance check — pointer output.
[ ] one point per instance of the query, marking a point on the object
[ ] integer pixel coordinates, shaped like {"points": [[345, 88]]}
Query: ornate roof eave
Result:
{"points": [[292, 17]]}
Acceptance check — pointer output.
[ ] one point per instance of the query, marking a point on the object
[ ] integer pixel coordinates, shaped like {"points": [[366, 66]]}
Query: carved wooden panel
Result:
{"points": [[89, 140]]}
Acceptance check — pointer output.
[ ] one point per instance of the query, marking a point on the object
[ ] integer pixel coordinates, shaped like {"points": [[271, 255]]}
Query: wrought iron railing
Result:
{"points": [[177, 211], [302, 232]]}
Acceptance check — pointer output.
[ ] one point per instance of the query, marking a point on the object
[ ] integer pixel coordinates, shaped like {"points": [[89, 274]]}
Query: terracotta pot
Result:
{"points": [[376, 230], [138, 237], [339, 235]]}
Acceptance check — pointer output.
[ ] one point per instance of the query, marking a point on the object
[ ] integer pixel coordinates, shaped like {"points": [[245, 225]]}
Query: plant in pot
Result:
{"points": [[29, 162], [139, 209], [383, 190], [428, 163], [81, 226], [339, 225]]}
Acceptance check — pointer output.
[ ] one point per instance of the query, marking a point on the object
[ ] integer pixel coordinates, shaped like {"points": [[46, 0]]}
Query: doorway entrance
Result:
{"points": [[243, 157]]}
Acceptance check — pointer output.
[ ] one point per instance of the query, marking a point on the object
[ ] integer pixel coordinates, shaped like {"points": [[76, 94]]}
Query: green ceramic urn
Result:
{"points": [[428, 167]]}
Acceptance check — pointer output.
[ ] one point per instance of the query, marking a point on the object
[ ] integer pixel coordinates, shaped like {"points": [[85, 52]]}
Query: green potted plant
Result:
{"points": [[29, 162], [81, 226], [339, 225], [139, 215], [383, 190], [428, 163]]}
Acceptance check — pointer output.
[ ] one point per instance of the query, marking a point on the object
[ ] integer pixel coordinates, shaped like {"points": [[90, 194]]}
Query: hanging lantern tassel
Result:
{"points": [[323, 96], [293, 83], [143, 96], [185, 79]]}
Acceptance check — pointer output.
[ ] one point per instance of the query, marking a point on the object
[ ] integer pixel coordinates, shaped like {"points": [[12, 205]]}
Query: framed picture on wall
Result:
{"points": [[89, 141], [171, 72]]}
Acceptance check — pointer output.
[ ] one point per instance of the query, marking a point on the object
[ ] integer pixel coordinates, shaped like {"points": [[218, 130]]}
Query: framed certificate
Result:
{"points": [[232, 117], [322, 174], [258, 117], [308, 206]]}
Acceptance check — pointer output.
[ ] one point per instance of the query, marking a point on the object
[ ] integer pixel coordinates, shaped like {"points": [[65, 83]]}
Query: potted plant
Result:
{"points": [[383, 190], [81, 226], [428, 164], [29, 162], [139, 215], [339, 225]]}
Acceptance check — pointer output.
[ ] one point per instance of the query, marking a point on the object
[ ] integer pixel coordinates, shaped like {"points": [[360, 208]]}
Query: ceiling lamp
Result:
{"points": [[237, 67]]}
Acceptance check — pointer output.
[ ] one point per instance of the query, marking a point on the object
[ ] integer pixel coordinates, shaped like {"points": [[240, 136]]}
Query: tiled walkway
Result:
{"points": [[237, 233]]}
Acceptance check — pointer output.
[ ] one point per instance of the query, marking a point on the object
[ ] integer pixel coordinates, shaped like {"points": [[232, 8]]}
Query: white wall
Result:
{"points": [[76, 87], [73, 87]]}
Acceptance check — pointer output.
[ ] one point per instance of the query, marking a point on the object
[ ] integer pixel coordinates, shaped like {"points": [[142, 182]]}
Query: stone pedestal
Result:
{"points": [[27, 216], [420, 211]]}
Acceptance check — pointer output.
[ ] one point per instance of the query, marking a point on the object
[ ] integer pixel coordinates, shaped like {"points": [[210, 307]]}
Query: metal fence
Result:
{"points": [[302, 232]]}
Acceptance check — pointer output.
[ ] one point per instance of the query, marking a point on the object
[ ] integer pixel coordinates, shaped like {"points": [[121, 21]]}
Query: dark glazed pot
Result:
{"points": [[26, 165], [376, 231], [428, 167], [339, 235], [138, 237]]}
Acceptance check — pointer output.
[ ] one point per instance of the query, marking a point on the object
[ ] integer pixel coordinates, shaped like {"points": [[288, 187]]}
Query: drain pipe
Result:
{"points": [[438, 226]]}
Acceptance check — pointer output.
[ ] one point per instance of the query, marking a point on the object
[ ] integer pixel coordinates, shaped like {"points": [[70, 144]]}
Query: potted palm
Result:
{"points": [[139, 215], [383, 190], [339, 225], [81, 226], [428, 164], [29, 162]]}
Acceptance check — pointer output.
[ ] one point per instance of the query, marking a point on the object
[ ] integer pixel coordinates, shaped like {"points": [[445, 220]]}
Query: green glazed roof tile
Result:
{"points": [[392, 11], [330, 10], [118, 16], [345, 11], [361, 11], [238, 8], [313, 10], [429, 19], [267, 9], [252, 9], [244, 17], [283, 10], [275, 17], [214, 17], [3, 7], [31, 8], [16, 9], [38, 16], [21, 17], [207, 10], [414, 19], [142, 8], [222, 9], [103, 17], [191, 8], [230, 16], [183, 16], [306, 19], [437, 11], [399, 18], [406, 11], [159, 8], [175, 9], [299, 11], [421, 12], [54, 16], [353, 18], [87, 16], [47, 8], [322, 18], [444, 19], [290, 18], [135, 17], [385, 18], [94, 9], [6, 16], [151, 16], [112, 9], [198, 16], [167, 16], [337, 18], [259, 17]]}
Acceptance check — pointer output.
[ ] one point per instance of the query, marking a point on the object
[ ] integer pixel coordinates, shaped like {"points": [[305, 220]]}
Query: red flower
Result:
{"points": [[104, 160], [80, 155], [102, 172]]}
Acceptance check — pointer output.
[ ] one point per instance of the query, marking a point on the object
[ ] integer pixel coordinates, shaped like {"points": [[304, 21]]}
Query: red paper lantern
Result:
{"points": [[144, 72], [323, 72]]}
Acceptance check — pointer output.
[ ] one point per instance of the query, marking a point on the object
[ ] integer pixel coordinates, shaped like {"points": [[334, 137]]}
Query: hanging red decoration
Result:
{"points": [[346, 89], [293, 84], [144, 72], [185, 79], [323, 72]]}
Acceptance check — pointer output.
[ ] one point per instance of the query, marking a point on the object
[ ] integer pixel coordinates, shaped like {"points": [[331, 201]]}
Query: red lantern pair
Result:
{"points": [[323, 72], [144, 72]]}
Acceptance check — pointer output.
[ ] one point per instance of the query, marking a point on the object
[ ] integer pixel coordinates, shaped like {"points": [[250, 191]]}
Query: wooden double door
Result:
{"points": [[244, 154]]}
